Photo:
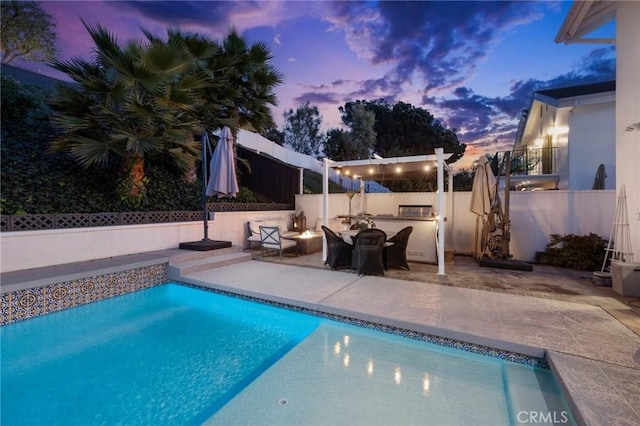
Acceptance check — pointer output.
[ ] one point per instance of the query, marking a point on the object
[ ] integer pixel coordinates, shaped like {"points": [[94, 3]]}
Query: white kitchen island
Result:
{"points": [[422, 241]]}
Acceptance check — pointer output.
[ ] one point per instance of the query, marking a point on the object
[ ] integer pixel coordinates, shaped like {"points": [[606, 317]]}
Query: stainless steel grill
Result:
{"points": [[412, 210]]}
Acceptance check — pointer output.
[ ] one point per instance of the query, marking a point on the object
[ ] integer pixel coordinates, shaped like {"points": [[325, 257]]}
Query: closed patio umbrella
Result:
{"points": [[222, 182], [598, 182], [484, 189], [483, 197], [222, 169]]}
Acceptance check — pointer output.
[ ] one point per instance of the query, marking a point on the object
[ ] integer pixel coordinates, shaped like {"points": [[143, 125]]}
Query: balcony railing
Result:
{"points": [[528, 162]]}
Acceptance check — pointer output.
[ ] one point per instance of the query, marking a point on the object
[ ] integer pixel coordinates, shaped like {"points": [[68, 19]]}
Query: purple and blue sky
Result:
{"points": [[473, 65]]}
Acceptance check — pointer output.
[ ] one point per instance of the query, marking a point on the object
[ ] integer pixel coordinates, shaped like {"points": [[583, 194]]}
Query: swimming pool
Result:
{"points": [[179, 355]]}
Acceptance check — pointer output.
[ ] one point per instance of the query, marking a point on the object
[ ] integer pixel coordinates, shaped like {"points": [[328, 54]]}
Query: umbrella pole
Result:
{"points": [[205, 143], [506, 223], [475, 239]]}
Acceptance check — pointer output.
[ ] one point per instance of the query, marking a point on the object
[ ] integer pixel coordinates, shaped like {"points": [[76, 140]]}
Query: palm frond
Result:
{"points": [[88, 151]]}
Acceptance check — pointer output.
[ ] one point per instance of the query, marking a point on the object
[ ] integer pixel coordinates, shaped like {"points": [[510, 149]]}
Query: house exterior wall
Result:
{"points": [[561, 142], [582, 131], [628, 113], [591, 143]]}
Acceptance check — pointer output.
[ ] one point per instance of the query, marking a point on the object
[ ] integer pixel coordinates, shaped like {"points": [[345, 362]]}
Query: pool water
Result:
{"points": [[178, 355]]}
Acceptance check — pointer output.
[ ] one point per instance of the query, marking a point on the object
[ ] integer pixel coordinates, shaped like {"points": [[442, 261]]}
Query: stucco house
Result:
{"points": [[583, 18], [565, 136]]}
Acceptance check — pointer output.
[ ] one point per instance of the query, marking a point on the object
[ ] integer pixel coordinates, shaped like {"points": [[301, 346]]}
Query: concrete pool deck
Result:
{"points": [[595, 356]]}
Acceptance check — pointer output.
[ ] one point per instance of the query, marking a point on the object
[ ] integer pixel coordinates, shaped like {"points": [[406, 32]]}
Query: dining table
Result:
{"points": [[350, 235]]}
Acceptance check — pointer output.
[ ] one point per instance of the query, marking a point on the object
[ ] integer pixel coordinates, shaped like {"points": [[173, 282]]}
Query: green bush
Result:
{"points": [[37, 181], [584, 253]]}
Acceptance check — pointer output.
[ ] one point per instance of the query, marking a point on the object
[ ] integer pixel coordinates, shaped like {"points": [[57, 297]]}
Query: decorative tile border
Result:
{"points": [[504, 355], [32, 302]]}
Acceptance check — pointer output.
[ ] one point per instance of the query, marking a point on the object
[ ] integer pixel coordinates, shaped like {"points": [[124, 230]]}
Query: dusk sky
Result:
{"points": [[472, 65]]}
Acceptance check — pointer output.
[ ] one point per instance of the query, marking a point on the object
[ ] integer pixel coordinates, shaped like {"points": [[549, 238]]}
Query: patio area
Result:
{"points": [[544, 281]]}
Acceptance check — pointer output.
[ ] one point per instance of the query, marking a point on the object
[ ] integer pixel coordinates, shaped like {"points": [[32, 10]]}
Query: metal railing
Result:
{"points": [[537, 161]]}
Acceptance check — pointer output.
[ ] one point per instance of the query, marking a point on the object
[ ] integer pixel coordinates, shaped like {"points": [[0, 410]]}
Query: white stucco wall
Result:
{"points": [[33, 249], [628, 113], [591, 143], [534, 215]]}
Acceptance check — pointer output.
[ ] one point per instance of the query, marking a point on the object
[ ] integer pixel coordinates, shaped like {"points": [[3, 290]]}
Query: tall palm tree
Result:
{"points": [[253, 79], [155, 97], [133, 102], [242, 79]]}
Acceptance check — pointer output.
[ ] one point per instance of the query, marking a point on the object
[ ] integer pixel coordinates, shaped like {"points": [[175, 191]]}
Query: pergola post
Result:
{"points": [[441, 210], [325, 204], [301, 180]]}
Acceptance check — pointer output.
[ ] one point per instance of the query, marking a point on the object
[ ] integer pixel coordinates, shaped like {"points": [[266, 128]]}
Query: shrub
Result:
{"points": [[35, 180], [584, 253]]}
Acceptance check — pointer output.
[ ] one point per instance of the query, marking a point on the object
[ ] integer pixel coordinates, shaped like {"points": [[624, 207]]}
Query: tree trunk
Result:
{"points": [[133, 183]]}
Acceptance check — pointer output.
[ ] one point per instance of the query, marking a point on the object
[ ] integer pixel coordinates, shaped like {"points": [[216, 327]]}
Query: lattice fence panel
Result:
{"points": [[5, 222], [72, 220], [133, 218], [32, 222], [183, 216], [105, 219], [235, 207], [158, 217]]}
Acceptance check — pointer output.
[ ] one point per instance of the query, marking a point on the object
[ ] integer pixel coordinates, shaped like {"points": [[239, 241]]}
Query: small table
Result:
{"points": [[308, 243]]}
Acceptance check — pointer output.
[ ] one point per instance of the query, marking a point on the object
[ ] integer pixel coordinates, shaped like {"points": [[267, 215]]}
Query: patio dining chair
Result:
{"points": [[270, 240], [339, 252], [395, 250], [367, 252]]}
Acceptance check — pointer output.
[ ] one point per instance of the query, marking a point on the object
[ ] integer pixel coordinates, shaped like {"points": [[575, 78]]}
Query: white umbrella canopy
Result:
{"points": [[222, 168], [484, 189]]}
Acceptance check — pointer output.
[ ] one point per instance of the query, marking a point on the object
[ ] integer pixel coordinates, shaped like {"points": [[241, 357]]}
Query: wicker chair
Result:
{"points": [[339, 253], [395, 251], [367, 252]]}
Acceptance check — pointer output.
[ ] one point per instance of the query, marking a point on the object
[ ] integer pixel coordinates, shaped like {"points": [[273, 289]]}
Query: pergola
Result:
{"points": [[398, 167]]}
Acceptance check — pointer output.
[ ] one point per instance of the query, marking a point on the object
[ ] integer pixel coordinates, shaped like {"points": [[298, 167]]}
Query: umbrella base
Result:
{"points": [[516, 265], [205, 245]]}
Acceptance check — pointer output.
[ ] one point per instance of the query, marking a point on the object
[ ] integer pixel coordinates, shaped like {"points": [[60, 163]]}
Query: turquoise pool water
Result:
{"points": [[178, 355]]}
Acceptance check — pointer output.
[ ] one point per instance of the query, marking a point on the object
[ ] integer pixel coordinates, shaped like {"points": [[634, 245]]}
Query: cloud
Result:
{"points": [[316, 98], [276, 39], [439, 43], [217, 16], [492, 121]]}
